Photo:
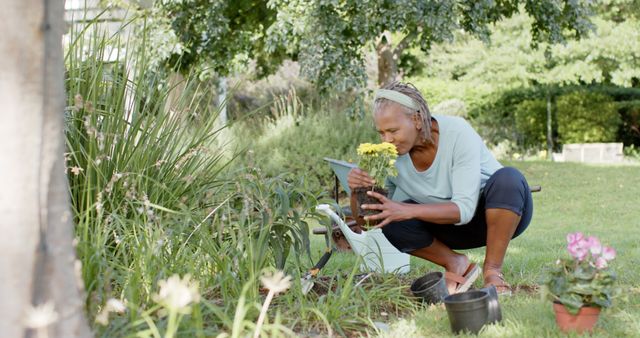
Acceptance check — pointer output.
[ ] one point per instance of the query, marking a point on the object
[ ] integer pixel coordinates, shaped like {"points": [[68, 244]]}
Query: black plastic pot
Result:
{"points": [[430, 288], [495, 315], [468, 311]]}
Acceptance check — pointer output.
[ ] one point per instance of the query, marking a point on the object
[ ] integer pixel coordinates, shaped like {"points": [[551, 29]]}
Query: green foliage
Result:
{"points": [[492, 79], [629, 132], [330, 35], [329, 38], [152, 196], [298, 143], [531, 123], [215, 33], [586, 117], [577, 283], [272, 210], [585, 112], [608, 56]]}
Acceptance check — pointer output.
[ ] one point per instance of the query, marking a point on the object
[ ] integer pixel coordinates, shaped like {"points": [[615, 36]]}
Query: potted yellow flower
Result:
{"points": [[378, 160]]}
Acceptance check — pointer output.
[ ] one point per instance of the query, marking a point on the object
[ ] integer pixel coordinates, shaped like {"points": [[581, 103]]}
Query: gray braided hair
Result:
{"points": [[411, 91]]}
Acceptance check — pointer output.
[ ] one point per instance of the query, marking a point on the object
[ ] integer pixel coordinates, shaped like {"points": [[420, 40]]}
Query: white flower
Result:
{"points": [[76, 170], [103, 318], [276, 282], [177, 294], [113, 305], [40, 316]]}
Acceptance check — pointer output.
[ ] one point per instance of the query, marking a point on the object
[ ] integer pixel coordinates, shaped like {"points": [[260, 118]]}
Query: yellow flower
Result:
{"points": [[378, 160]]}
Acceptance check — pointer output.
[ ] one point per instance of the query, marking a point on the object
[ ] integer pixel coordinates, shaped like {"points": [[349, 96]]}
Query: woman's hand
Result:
{"points": [[359, 178], [390, 211]]}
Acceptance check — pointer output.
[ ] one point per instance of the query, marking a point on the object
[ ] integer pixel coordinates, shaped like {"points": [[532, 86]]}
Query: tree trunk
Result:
{"points": [[387, 65], [177, 86], [388, 57], [222, 100], [37, 261], [549, 129]]}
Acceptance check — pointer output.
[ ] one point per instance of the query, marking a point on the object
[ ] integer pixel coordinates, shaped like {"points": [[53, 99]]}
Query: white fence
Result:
{"points": [[593, 152]]}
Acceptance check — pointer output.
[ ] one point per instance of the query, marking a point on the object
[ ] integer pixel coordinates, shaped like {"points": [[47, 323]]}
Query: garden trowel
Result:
{"points": [[307, 280]]}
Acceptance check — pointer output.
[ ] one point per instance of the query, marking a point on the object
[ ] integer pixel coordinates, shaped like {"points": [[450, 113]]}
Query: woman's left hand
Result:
{"points": [[390, 211]]}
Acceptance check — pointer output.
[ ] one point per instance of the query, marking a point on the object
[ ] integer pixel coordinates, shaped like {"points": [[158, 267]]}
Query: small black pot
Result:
{"points": [[430, 288], [495, 315], [468, 311]]}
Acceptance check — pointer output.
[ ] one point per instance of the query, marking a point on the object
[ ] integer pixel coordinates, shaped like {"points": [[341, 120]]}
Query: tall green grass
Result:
{"points": [[153, 195]]}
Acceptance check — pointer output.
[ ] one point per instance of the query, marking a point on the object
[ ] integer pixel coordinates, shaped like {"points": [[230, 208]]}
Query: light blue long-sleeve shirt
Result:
{"points": [[459, 171]]}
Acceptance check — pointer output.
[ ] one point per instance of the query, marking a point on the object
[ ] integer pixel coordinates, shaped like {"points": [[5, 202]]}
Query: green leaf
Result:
{"points": [[572, 302]]}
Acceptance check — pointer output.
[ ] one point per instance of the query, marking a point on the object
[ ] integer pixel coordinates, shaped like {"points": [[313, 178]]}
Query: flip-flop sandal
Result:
{"points": [[464, 281], [502, 288]]}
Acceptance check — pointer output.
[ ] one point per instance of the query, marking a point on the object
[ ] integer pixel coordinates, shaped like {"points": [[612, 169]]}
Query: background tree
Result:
{"points": [[330, 38], [39, 285], [480, 73]]}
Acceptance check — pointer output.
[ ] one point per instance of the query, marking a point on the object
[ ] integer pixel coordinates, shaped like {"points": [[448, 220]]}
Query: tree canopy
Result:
{"points": [[330, 37], [609, 55]]}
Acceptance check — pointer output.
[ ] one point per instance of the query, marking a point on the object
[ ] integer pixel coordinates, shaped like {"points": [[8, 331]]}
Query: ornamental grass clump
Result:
{"points": [[378, 160], [585, 279]]}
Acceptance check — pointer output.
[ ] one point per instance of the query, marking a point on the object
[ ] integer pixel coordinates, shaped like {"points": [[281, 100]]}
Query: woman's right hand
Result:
{"points": [[359, 178]]}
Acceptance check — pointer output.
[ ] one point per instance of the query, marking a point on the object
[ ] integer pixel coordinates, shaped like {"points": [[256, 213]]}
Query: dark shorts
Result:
{"points": [[506, 189]]}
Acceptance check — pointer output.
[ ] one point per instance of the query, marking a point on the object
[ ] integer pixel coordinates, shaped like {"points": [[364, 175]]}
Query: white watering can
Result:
{"points": [[377, 253]]}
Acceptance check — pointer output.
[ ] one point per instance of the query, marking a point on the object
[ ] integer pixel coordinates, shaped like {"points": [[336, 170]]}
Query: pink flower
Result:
{"points": [[601, 263], [578, 249], [594, 245], [608, 253], [574, 237]]}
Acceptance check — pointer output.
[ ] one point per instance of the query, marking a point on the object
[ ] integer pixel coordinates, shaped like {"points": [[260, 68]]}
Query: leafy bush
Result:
{"points": [[586, 117], [298, 144], [629, 131], [496, 120], [520, 115], [531, 123]]}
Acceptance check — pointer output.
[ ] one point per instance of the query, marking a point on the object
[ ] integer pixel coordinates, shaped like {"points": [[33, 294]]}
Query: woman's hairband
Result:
{"points": [[397, 97]]}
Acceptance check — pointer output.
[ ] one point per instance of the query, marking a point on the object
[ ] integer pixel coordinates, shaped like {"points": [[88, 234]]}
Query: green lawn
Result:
{"points": [[596, 200]]}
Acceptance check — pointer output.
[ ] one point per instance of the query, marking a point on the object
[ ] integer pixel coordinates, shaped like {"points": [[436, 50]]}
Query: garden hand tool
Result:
{"points": [[307, 280]]}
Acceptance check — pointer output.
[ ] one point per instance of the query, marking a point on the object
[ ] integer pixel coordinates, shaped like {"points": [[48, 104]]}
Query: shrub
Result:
{"points": [[629, 131], [506, 117], [298, 144], [531, 123], [586, 117]]}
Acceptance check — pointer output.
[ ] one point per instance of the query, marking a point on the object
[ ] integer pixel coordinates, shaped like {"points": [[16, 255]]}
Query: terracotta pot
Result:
{"points": [[585, 320], [363, 198]]}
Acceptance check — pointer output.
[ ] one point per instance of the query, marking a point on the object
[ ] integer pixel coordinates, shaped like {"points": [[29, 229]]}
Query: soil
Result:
{"points": [[363, 198]]}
